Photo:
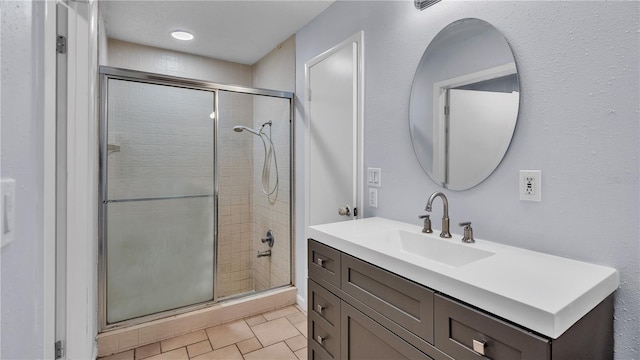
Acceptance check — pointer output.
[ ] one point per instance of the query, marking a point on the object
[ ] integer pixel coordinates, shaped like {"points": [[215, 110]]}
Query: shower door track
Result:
{"points": [[108, 73]]}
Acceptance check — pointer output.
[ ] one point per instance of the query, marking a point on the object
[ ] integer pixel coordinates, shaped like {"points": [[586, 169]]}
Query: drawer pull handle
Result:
{"points": [[319, 308], [320, 339], [478, 346], [320, 262]]}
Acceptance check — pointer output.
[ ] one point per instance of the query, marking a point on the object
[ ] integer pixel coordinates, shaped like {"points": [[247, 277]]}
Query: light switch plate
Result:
{"points": [[8, 214], [374, 177]]}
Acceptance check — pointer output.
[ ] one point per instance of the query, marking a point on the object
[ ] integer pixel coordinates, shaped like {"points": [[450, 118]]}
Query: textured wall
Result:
{"points": [[578, 123], [21, 295]]}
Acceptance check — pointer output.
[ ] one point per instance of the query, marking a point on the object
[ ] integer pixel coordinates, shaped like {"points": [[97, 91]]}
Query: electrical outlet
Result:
{"points": [[373, 198], [531, 185]]}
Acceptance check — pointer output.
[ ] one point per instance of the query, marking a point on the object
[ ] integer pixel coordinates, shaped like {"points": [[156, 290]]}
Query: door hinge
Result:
{"points": [[309, 94], [355, 211], [446, 110], [61, 45], [59, 350]]}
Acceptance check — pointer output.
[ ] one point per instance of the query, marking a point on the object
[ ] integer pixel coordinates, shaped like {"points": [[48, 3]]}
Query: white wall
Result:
{"points": [[21, 295], [578, 123]]}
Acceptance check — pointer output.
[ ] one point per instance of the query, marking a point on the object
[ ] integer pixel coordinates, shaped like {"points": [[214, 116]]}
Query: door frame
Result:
{"points": [[75, 180], [50, 164], [356, 39]]}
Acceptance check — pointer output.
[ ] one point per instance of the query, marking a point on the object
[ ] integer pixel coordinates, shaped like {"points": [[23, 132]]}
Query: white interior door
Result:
{"points": [[333, 112], [475, 116]]}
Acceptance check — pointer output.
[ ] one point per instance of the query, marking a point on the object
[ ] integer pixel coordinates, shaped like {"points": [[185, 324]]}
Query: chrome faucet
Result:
{"points": [[445, 213], [426, 228], [468, 232]]}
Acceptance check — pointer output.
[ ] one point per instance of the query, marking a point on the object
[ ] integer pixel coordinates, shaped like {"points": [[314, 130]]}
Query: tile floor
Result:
{"points": [[279, 334]]}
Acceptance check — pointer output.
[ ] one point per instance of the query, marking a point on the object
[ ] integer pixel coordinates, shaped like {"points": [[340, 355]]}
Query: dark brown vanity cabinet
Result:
{"points": [[463, 333], [359, 311]]}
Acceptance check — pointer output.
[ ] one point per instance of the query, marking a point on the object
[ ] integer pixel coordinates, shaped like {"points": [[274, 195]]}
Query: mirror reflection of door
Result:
{"points": [[473, 118]]}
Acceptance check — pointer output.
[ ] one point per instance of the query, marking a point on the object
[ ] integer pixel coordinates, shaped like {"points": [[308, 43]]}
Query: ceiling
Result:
{"points": [[240, 31]]}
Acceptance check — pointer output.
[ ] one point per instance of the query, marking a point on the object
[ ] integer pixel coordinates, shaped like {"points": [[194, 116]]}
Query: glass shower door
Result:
{"points": [[158, 199]]}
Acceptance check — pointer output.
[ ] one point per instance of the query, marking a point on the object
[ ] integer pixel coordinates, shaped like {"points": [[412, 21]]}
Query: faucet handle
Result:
{"points": [[468, 232], [427, 224]]}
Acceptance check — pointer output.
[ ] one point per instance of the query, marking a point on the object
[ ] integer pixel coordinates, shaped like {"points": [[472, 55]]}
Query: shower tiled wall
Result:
{"points": [[274, 71], [235, 220]]}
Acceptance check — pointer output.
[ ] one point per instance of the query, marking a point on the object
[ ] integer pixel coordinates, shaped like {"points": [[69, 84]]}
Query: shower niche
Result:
{"points": [[184, 199]]}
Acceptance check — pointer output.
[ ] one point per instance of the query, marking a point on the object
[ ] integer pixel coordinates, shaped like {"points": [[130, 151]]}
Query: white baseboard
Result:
{"points": [[302, 302]]}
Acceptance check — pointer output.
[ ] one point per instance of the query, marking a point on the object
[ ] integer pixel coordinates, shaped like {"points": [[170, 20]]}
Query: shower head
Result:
{"points": [[242, 128]]}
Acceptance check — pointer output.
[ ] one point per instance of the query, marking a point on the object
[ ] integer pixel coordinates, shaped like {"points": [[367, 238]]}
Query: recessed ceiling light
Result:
{"points": [[182, 35]]}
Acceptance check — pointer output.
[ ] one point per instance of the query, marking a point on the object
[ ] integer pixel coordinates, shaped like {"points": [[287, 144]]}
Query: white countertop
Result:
{"points": [[542, 292]]}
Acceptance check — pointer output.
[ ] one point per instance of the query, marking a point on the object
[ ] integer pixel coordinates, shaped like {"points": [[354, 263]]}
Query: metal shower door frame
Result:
{"points": [[111, 73]]}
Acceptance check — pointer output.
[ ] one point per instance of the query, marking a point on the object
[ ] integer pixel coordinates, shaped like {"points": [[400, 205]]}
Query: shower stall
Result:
{"points": [[191, 211]]}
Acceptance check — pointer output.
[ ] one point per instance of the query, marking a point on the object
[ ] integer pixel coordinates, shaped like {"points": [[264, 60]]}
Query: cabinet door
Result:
{"points": [[465, 333], [363, 338]]}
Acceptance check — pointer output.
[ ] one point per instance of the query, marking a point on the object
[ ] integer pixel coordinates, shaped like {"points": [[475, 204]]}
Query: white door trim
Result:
{"points": [[49, 236], [78, 160], [358, 40]]}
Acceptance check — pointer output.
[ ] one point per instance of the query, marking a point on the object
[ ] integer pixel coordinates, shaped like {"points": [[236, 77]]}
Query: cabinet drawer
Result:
{"points": [[457, 327], [324, 337], [404, 302], [316, 352], [324, 263], [363, 338], [323, 303]]}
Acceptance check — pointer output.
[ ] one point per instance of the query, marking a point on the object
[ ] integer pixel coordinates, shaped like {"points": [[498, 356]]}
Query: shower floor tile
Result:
{"points": [[241, 341]]}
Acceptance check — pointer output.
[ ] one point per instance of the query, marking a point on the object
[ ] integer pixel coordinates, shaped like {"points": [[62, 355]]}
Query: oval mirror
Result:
{"points": [[464, 104]]}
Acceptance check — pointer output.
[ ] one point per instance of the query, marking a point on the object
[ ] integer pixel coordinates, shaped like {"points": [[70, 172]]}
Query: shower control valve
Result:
{"points": [[269, 239]]}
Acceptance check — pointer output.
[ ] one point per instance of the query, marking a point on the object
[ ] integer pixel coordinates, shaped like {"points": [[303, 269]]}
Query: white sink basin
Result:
{"points": [[450, 252]]}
